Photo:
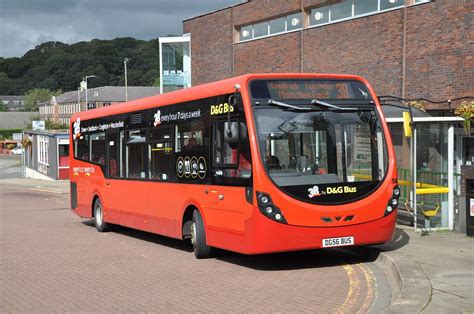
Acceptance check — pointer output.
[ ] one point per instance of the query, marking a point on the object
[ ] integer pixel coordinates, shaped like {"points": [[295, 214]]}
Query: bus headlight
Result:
{"points": [[268, 209], [264, 199], [396, 191], [393, 202]]}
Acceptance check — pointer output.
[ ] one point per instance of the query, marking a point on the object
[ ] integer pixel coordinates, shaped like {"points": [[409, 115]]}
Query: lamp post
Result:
{"points": [[126, 87], [78, 107], [85, 79]]}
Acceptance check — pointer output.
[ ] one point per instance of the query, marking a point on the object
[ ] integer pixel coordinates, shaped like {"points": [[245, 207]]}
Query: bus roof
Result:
{"points": [[201, 91]]}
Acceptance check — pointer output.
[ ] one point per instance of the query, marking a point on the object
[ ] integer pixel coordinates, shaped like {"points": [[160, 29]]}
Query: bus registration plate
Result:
{"points": [[342, 241]]}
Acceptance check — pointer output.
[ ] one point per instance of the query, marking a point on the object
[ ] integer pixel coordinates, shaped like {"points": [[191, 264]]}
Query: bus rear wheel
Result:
{"points": [[198, 237], [100, 224]]}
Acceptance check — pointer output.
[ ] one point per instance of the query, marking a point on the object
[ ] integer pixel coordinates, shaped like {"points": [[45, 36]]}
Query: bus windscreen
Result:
{"points": [[308, 144]]}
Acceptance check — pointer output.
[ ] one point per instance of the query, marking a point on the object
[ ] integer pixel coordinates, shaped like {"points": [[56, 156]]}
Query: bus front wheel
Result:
{"points": [[100, 224], [198, 237]]}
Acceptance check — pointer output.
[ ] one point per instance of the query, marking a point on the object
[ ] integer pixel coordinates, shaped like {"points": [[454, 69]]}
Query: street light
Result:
{"points": [[78, 107], [85, 79], [126, 87]]}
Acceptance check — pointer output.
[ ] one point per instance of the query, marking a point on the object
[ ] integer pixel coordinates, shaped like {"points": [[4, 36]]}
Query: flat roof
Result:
{"points": [[63, 133]]}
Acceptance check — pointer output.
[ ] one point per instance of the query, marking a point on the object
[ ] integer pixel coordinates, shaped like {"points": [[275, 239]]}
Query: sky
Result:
{"points": [[25, 24]]}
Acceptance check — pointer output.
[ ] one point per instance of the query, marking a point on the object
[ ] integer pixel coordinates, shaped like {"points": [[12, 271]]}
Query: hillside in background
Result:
{"points": [[55, 65]]}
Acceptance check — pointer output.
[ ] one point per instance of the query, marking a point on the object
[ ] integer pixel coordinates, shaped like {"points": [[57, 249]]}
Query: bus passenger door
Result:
{"points": [[111, 193], [231, 174]]}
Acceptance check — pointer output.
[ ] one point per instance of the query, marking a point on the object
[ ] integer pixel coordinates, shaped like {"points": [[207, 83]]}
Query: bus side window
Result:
{"points": [[98, 148], [113, 147], [190, 137], [232, 159], [81, 149], [161, 153], [136, 154]]}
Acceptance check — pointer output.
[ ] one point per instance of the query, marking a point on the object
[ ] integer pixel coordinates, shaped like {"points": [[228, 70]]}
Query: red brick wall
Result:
{"points": [[211, 47], [357, 47], [272, 54], [440, 47], [440, 54]]}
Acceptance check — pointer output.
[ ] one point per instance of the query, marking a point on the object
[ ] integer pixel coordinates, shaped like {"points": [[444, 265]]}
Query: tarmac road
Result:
{"points": [[10, 167], [51, 260]]}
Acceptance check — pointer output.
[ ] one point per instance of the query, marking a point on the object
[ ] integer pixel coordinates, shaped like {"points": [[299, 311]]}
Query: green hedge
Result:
{"points": [[7, 133]]}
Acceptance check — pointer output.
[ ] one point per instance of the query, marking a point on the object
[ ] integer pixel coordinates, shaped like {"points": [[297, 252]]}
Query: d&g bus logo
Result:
{"points": [[77, 129], [314, 191], [221, 109]]}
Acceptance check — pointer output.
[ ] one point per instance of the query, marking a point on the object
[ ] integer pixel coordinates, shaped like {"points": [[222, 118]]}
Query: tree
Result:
{"points": [[38, 95], [54, 65]]}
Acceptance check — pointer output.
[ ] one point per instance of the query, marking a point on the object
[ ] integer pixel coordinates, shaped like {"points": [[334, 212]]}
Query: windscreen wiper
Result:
{"points": [[331, 106], [338, 108], [287, 106]]}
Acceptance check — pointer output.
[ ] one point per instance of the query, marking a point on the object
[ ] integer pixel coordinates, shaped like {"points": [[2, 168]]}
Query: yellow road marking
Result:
{"points": [[354, 290], [371, 283]]}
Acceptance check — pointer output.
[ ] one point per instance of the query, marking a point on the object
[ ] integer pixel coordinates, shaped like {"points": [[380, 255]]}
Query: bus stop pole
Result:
{"points": [[451, 176], [414, 177]]}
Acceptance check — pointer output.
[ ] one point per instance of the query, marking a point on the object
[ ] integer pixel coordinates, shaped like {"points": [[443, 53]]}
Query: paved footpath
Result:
{"points": [[437, 270], [51, 260]]}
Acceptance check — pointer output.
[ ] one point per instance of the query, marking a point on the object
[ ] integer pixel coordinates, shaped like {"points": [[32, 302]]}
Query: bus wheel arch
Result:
{"points": [[94, 199], [187, 222], [194, 229], [98, 215]]}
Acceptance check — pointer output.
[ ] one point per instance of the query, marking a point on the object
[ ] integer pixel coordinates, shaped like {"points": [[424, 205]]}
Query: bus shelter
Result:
{"points": [[46, 156], [426, 164]]}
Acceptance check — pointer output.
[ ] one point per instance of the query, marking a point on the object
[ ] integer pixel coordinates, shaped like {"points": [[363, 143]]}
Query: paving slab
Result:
{"points": [[436, 271]]}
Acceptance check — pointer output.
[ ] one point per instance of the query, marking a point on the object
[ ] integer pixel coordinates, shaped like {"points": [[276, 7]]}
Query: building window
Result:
{"points": [[90, 105], [347, 9], [365, 6], [246, 33], [341, 10], [277, 25], [260, 29], [390, 4], [294, 22], [43, 160], [271, 27]]}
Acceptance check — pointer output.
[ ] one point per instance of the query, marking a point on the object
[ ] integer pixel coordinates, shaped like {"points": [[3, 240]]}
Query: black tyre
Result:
{"points": [[100, 224], [198, 237]]}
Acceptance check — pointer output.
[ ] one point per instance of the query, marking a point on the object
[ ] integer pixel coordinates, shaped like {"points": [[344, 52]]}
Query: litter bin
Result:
{"points": [[470, 207]]}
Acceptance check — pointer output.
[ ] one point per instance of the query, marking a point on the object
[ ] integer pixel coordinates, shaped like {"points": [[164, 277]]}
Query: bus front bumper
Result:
{"points": [[266, 236]]}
